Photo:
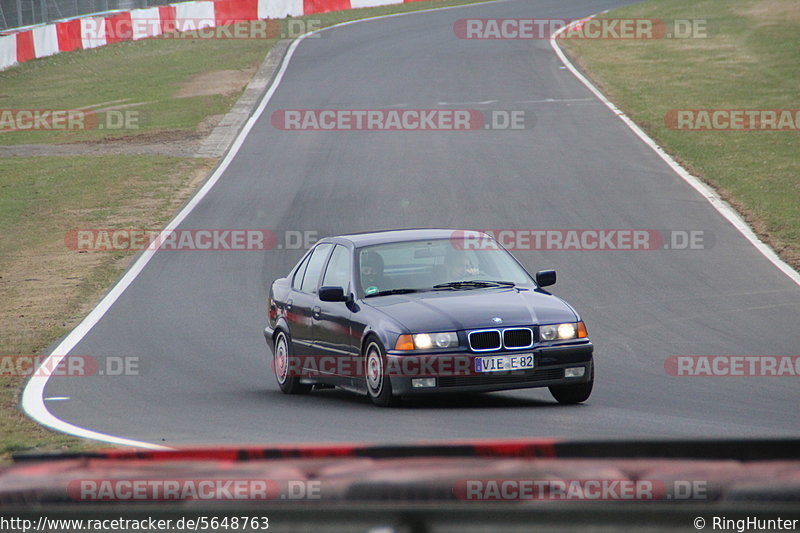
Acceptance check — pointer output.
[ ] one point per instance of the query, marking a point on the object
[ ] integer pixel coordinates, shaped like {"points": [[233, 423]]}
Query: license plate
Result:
{"points": [[504, 363]]}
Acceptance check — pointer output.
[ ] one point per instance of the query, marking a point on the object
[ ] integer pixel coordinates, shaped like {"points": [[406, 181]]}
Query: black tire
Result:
{"points": [[572, 394], [282, 355], [379, 386]]}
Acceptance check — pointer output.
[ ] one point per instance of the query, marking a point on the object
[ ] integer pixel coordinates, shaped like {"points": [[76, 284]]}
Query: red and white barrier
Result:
{"points": [[227, 10], [93, 32], [146, 23], [195, 15], [90, 32], [25, 46], [69, 35], [311, 7], [278, 9], [45, 40], [8, 50], [355, 4]]}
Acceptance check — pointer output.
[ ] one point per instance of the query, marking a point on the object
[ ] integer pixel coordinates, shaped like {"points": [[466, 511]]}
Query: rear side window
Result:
{"points": [[338, 272], [297, 280], [314, 268]]}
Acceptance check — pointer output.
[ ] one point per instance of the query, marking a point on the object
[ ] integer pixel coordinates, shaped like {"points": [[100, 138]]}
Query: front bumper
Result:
{"points": [[549, 365]]}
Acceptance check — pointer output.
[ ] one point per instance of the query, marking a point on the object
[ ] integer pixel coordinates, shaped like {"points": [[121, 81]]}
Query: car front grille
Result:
{"points": [[484, 340], [518, 338], [504, 379]]}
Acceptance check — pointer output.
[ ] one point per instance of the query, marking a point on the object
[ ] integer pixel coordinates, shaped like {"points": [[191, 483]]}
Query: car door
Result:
{"points": [[332, 319], [302, 299]]}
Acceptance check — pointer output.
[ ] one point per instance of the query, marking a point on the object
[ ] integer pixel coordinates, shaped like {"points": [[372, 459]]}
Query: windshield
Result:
{"points": [[425, 265]]}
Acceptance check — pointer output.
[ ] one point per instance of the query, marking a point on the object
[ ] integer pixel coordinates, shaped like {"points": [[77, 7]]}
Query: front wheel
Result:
{"points": [[572, 394], [282, 362], [379, 386]]}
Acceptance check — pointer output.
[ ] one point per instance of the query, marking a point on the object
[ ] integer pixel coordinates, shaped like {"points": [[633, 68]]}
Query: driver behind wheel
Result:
{"points": [[372, 279], [458, 266]]}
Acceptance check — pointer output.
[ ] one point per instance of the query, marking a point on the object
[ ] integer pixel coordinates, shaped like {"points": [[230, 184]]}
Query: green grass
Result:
{"points": [[749, 60], [43, 197], [147, 72]]}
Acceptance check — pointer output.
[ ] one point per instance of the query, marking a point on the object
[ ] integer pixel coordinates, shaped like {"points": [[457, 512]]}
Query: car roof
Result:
{"points": [[389, 236]]}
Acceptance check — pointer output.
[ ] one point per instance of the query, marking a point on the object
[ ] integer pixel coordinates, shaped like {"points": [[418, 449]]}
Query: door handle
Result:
{"points": [[289, 305], [315, 312]]}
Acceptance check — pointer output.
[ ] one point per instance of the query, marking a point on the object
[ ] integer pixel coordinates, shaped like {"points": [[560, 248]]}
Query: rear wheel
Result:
{"points": [[284, 369], [379, 386], [572, 394]]}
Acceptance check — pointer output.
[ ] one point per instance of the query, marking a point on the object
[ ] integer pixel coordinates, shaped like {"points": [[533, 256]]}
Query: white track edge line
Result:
{"points": [[32, 401], [707, 192]]}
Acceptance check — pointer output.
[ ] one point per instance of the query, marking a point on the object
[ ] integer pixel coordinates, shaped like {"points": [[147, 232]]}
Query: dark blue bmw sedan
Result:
{"points": [[398, 313]]}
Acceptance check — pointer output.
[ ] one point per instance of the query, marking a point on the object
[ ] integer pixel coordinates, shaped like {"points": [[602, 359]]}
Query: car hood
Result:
{"points": [[472, 309]]}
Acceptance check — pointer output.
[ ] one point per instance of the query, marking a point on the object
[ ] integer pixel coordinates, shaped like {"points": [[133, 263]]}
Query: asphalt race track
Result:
{"points": [[194, 319]]}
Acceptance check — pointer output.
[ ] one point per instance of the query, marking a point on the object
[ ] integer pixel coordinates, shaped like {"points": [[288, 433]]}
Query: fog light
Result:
{"points": [[577, 372], [418, 383]]}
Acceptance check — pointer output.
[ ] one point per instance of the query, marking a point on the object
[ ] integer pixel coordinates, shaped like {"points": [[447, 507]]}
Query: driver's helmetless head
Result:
{"points": [[371, 265], [458, 264]]}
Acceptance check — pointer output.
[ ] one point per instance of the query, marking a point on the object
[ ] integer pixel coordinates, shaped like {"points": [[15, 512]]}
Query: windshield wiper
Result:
{"points": [[393, 291], [473, 284]]}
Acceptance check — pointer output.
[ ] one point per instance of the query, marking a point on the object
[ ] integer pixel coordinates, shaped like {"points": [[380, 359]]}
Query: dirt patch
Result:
{"points": [[217, 82], [160, 142], [184, 148], [149, 137], [119, 106]]}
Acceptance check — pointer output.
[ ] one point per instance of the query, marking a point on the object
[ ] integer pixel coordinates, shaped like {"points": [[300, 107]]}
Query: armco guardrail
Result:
{"points": [[100, 29]]}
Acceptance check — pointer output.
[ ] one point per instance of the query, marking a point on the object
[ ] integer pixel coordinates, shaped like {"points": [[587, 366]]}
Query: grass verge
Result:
{"points": [[748, 60]]}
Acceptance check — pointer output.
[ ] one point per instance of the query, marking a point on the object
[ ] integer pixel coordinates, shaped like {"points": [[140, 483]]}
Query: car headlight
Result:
{"points": [[562, 332], [426, 341]]}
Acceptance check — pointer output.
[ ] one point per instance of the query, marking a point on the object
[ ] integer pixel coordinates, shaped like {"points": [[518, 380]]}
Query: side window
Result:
{"points": [[297, 281], [338, 272], [314, 268]]}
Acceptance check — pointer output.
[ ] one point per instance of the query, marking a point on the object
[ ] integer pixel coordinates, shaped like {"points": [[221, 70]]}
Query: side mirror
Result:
{"points": [[545, 278], [332, 294]]}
